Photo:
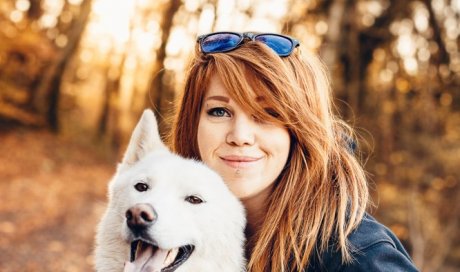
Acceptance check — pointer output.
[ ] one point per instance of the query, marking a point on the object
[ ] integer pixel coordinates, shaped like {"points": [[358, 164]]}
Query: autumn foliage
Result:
{"points": [[75, 75]]}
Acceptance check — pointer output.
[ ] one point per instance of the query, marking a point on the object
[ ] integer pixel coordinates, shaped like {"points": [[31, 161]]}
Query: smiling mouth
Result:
{"points": [[239, 162], [150, 258]]}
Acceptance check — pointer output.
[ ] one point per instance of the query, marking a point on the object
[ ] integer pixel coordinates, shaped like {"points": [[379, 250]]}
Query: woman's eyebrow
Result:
{"points": [[219, 98]]}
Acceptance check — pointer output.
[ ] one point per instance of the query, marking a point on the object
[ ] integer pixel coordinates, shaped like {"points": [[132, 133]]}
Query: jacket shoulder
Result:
{"points": [[373, 248], [371, 232]]}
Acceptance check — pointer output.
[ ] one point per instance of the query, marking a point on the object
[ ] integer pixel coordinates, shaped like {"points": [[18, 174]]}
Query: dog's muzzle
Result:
{"points": [[146, 255]]}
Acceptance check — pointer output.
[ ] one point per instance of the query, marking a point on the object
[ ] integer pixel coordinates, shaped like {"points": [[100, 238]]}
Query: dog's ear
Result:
{"points": [[145, 138]]}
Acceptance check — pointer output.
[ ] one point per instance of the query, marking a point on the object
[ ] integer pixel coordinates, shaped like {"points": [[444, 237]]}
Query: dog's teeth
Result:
{"points": [[139, 248], [171, 256]]}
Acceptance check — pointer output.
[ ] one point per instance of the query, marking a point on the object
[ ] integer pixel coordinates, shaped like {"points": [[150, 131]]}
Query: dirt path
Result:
{"points": [[52, 193]]}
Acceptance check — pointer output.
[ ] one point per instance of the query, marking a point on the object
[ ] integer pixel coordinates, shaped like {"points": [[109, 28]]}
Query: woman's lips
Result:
{"points": [[239, 161]]}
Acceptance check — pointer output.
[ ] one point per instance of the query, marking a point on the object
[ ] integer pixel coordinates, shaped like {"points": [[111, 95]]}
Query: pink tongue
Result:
{"points": [[147, 261], [155, 263]]}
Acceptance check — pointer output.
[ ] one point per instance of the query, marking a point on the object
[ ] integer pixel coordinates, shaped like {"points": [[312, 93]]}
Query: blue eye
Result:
{"points": [[218, 112]]}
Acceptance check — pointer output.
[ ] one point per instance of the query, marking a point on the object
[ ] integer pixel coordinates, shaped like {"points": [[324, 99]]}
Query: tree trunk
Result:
{"points": [[106, 100], [157, 93], [443, 56], [48, 92], [331, 41], [351, 59], [35, 10]]}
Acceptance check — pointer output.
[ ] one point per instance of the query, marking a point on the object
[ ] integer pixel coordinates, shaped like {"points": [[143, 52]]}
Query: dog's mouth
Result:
{"points": [[149, 257]]}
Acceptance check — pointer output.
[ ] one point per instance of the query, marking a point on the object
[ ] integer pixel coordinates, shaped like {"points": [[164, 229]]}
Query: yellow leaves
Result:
{"points": [[55, 246], [379, 54], [446, 99], [402, 85], [400, 230], [49, 211], [446, 183], [389, 107], [397, 158], [381, 169], [7, 228]]}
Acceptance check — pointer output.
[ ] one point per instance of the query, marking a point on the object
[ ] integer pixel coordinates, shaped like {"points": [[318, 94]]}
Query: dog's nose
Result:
{"points": [[140, 216]]}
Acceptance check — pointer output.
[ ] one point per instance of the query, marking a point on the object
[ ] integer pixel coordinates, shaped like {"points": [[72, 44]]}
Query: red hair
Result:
{"points": [[322, 192]]}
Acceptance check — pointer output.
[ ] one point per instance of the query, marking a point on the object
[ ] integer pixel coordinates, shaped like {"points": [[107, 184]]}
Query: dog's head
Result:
{"points": [[172, 211]]}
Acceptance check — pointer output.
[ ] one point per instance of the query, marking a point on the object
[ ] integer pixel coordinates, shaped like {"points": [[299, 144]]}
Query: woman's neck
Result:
{"points": [[256, 209]]}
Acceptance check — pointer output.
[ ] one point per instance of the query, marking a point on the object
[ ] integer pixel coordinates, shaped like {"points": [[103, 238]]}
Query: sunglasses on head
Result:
{"points": [[219, 42]]}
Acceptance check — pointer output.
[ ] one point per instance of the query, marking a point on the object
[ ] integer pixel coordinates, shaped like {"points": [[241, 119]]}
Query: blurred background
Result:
{"points": [[76, 74]]}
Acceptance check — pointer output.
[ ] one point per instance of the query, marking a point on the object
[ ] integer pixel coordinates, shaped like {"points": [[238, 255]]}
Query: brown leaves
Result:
{"points": [[53, 193]]}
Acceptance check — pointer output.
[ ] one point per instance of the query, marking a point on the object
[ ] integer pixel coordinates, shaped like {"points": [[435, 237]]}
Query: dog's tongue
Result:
{"points": [[151, 261]]}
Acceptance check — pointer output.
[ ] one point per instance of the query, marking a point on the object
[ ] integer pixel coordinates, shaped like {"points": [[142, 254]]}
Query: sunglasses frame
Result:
{"points": [[246, 35]]}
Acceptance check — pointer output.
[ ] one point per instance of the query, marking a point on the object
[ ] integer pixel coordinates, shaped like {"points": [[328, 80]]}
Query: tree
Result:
{"points": [[159, 94]]}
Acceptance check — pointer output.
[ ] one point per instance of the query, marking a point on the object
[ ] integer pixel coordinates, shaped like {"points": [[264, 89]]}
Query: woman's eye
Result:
{"points": [[272, 112], [141, 187], [269, 111], [194, 199], [218, 112]]}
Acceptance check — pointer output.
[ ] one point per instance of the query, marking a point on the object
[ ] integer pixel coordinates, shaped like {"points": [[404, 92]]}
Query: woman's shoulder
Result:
{"points": [[370, 233], [373, 248]]}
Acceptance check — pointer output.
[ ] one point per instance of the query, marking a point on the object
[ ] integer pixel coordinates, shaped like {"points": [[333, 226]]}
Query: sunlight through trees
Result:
{"points": [[91, 66]]}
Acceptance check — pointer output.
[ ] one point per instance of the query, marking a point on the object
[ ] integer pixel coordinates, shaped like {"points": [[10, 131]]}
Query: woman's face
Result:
{"points": [[248, 153]]}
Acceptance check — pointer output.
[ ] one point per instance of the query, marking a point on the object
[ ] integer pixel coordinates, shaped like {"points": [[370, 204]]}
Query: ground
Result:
{"points": [[53, 192]]}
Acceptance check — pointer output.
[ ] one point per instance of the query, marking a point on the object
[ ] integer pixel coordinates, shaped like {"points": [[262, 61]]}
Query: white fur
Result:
{"points": [[215, 227]]}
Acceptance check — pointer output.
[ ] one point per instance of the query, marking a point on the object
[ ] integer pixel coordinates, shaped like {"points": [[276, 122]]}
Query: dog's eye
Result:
{"points": [[141, 187], [194, 199]]}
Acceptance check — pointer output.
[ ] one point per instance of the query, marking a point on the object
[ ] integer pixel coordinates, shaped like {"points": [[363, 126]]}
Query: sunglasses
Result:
{"points": [[220, 42]]}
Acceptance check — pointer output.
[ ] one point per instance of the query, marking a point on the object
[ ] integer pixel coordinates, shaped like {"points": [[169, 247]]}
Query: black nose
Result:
{"points": [[139, 217]]}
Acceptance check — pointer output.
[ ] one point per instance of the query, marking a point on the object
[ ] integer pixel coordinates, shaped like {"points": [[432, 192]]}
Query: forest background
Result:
{"points": [[76, 74]]}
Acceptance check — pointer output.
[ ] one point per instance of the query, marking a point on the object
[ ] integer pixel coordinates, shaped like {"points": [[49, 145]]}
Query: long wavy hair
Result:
{"points": [[321, 195]]}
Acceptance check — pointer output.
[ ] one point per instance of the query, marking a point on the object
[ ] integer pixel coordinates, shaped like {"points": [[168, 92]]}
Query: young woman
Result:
{"points": [[261, 116]]}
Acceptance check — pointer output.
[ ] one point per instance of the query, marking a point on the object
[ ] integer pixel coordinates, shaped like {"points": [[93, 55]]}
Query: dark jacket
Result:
{"points": [[374, 248]]}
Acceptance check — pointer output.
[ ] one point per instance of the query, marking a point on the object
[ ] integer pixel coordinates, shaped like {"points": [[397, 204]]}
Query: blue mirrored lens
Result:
{"points": [[220, 42], [281, 45]]}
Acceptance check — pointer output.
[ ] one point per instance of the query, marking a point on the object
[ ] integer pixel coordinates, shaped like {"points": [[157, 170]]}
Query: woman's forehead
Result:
{"points": [[218, 90]]}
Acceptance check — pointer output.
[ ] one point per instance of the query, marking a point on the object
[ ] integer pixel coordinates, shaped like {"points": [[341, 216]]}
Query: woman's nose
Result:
{"points": [[242, 131]]}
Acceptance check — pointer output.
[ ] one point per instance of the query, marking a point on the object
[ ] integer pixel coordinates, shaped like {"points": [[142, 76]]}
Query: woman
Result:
{"points": [[261, 116]]}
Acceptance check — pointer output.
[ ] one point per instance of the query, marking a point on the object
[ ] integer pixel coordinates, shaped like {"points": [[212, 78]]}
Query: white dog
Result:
{"points": [[167, 213]]}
